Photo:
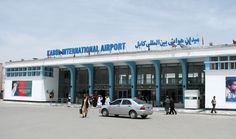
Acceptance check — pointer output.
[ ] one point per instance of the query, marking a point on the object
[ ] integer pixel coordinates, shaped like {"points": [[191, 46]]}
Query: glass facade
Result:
{"points": [[196, 79], [122, 82], [146, 83], [171, 81], [81, 83], [101, 79], [64, 83]]}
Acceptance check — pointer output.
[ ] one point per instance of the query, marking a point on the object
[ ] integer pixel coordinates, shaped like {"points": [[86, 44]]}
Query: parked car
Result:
{"points": [[127, 107]]}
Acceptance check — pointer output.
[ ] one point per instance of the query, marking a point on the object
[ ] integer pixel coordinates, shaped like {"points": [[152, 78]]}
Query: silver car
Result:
{"points": [[128, 107]]}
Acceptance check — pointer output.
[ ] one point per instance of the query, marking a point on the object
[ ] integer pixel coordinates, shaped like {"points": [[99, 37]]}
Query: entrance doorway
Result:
{"points": [[124, 94], [174, 92], [146, 95]]}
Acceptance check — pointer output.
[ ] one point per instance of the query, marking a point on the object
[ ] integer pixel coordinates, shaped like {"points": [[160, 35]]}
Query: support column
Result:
{"points": [[72, 81], [157, 66], [132, 66], [183, 63], [207, 64], [90, 72], [110, 68]]}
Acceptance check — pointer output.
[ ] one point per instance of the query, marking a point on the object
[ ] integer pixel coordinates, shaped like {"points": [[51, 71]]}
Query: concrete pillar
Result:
{"points": [[132, 66], [72, 81], [184, 63], [90, 73], [110, 68], [157, 66]]}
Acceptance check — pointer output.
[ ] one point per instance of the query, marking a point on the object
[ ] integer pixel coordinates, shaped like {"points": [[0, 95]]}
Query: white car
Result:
{"points": [[127, 107]]}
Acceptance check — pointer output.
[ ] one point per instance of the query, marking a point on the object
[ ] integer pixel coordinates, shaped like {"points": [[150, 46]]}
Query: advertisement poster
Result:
{"points": [[22, 88], [230, 91]]}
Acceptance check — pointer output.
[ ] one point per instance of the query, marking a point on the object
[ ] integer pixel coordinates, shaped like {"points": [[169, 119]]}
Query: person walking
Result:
{"points": [[85, 106], [99, 101], [107, 100], [213, 102], [69, 101], [172, 107], [167, 105]]}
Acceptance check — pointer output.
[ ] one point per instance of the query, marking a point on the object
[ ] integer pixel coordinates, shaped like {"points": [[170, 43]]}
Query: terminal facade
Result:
{"points": [[147, 74]]}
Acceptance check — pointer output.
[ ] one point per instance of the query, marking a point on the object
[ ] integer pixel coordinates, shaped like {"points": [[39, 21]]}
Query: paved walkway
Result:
{"points": [[156, 109], [201, 111]]}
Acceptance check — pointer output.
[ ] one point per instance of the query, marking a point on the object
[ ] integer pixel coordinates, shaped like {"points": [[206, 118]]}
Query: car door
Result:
{"points": [[125, 107], [114, 106]]}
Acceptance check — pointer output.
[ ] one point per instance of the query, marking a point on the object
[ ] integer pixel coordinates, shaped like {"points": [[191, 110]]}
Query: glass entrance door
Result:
{"points": [[124, 94], [174, 92]]}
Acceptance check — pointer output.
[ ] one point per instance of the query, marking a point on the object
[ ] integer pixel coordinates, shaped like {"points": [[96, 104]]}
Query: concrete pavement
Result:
{"points": [[23, 121]]}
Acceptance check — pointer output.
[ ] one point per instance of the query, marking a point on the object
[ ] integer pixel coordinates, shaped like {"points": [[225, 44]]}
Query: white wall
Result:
{"points": [[215, 86], [51, 84], [40, 85]]}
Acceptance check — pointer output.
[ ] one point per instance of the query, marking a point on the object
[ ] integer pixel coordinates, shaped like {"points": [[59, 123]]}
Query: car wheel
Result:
{"points": [[144, 116], [105, 112], [133, 114]]}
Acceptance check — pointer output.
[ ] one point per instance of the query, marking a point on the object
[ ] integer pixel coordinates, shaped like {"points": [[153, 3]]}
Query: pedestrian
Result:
{"points": [[85, 106], [172, 107], [99, 102], [213, 102], [167, 105], [51, 96], [107, 100], [69, 101]]}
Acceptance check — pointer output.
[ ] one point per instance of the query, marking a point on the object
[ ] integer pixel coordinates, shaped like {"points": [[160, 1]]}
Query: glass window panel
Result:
{"points": [[122, 79], [214, 58], [148, 78], [232, 57], [33, 74], [37, 73], [223, 58]]}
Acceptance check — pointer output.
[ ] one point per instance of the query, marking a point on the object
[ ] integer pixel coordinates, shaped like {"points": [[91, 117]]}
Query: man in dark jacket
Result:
{"points": [[172, 107]]}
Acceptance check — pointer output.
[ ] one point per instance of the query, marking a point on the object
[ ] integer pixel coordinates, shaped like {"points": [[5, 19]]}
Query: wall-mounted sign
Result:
{"points": [[98, 49], [21, 88], [230, 90], [173, 42], [87, 49]]}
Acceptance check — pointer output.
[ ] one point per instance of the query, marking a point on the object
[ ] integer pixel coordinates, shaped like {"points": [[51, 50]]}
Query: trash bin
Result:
{"points": [[192, 99]]}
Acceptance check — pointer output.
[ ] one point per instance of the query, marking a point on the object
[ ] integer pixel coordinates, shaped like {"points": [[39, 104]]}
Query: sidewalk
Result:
{"points": [[199, 111], [155, 109]]}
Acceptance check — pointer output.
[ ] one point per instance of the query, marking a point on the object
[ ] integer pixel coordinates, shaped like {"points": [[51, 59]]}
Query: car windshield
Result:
{"points": [[139, 101]]}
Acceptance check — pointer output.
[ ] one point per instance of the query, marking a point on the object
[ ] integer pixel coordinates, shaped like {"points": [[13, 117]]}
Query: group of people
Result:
{"points": [[169, 106], [97, 101]]}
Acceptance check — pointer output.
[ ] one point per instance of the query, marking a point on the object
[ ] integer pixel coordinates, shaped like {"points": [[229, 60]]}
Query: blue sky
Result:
{"points": [[28, 28]]}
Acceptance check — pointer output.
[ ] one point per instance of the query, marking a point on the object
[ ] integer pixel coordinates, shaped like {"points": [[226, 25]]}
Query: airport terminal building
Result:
{"points": [[152, 71]]}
